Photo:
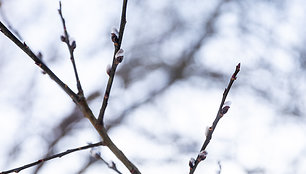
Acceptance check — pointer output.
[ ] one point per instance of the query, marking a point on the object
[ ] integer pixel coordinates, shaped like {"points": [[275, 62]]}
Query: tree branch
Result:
{"points": [[59, 155], [220, 167], [117, 44], [221, 111], [9, 25], [39, 62], [111, 165], [106, 139], [71, 46], [81, 101]]}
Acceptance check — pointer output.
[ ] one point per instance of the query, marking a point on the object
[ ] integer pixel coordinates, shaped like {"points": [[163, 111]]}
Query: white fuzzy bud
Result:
{"points": [[202, 155], [115, 35], [191, 162], [115, 31], [119, 56], [108, 69], [207, 130], [227, 103], [95, 153], [226, 106]]}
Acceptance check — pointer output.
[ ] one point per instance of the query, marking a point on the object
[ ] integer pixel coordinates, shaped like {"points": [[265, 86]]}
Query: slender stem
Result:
{"points": [[81, 101], [218, 117], [220, 167], [39, 62], [59, 155], [110, 165], [114, 65], [106, 139], [71, 47], [9, 25]]}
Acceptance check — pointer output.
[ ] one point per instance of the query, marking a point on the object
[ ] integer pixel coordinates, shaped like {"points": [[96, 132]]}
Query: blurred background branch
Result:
{"points": [[178, 56]]}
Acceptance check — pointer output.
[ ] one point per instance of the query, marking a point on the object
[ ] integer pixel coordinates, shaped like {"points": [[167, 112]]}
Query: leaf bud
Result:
{"points": [[73, 45], [119, 56], [202, 155], [191, 163], [226, 107], [63, 38], [108, 69], [115, 35]]}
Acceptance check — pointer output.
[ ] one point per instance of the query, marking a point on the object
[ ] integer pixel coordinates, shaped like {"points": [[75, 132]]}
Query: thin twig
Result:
{"points": [[39, 62], [220, 113], [80, 101], [9, 25], [71, 47], [112, 165], [220, 167], [114, 65], [59, 155]]}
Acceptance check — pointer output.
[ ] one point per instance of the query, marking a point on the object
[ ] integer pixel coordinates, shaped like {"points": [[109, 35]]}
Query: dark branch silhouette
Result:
{"points": [[80, 100], [59, 155], [38, 62], [221, 111], [71, 47], [117, 44]]}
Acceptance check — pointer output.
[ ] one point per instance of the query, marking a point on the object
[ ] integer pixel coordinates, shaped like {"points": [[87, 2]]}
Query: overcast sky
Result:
{"points": [[263, 132]]}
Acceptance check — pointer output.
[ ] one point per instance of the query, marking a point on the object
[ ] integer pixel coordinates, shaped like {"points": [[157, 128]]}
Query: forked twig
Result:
{"points": [[112, 165], [38, 62], [221, 111], [117, 44], [79, 100], [59, 155], [71, 46]]}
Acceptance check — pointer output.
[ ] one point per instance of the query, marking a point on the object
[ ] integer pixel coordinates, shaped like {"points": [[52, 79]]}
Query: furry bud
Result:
{"points": [[119, 56], [191, 163]]}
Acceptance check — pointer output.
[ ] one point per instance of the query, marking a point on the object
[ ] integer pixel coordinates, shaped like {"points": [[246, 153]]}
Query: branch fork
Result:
{"points": [[79, 97]]}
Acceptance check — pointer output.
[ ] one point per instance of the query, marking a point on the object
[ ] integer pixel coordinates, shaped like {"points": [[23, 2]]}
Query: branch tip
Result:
{"points": [[238, 66], [223, 108], [71, 47]]}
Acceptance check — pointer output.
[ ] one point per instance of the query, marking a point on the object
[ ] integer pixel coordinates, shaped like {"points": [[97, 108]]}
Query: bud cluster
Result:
{"points": [[66, 40]]}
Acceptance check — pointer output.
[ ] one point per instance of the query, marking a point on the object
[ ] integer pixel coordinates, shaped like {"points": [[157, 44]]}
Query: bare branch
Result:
{"points": [[71, 47], [81, 101], [59, 155], [39, 62], [112, 165], [117, 44], [220, 167], [9, 25], [222, 110], [106, 139]]}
